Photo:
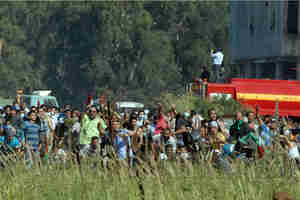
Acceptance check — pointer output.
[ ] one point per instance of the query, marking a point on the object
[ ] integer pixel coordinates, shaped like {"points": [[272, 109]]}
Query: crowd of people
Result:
{"points": [[43, 135]]}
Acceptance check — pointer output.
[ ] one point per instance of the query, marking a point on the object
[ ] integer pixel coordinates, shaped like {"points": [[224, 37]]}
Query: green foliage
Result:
{"points": [[75, 48], [223, 105]]}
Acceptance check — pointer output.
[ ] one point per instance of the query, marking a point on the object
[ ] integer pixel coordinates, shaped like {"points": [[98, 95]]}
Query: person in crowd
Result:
{"points": [[121, 143], [33, 133], [249, 143], [183, 133], [252, 118], [141, 118], [92, 152], [44, 138], [91, 125], [205, 75], [267, 132], [10, 141], [239, 129], [169, 141], [289, 143], [212, 115]]}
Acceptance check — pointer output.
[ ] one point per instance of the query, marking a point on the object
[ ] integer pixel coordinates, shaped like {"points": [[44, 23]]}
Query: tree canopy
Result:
{"points": [[137, 49]]}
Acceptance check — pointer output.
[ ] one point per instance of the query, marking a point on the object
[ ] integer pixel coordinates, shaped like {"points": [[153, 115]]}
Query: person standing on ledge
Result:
{"points": [[217, 63]]}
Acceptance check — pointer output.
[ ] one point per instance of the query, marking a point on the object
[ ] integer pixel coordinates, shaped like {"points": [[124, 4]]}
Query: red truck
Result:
{"points": [[253, 92]]}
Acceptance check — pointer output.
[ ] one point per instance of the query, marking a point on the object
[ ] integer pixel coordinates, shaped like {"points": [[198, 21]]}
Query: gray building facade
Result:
{"points": [[265, 38]]}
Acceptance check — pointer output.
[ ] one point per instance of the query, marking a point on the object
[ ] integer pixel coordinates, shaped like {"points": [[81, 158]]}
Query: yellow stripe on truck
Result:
{"points": [[268, 97]]}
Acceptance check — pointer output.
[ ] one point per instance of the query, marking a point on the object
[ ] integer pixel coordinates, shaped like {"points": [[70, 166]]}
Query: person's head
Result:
{"points": [[54, 110], [160, 108], [186, 115], [95, 140], [115, 125], [68, 107], [155, 119], [44, 107], [273, 124], [75, 113], [133, 122], [68, 114], [32, 116], [171, 114], [7, 109], [93, 112], [10, 132], [251, 125], [13, 112], [41, 112], [267, 118], [8, 120], [22, 113], [238, 116], [141, 115], [212, 114], [33, 109], [251, 116], [126, 116], [193, 113]]}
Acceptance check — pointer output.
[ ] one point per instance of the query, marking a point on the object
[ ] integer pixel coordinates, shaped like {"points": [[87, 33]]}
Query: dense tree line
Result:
{"points": [[137, 48]]}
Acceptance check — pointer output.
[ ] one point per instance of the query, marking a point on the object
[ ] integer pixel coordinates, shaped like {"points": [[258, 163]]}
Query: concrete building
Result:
{"points": [[265, 38]]}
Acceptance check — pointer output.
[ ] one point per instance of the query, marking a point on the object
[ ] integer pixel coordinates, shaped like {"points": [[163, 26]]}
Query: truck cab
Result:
{"points": [[40, 97]]}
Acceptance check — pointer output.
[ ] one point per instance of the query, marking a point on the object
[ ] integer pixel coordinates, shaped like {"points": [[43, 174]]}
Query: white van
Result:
{"points": [[41, 97]]}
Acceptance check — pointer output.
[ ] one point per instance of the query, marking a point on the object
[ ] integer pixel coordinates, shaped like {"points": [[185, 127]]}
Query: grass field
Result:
{"points": [[168, 181]]}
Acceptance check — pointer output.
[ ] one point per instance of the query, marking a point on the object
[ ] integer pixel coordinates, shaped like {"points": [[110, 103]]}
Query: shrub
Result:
{"points": [[223, 105]]}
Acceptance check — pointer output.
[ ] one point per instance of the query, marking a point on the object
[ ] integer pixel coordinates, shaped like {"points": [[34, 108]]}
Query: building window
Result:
{"points": [[266, 3], [292, 16]]}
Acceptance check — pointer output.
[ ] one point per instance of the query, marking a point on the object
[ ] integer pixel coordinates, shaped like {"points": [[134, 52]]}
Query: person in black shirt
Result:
{"points": [[205, 74]]}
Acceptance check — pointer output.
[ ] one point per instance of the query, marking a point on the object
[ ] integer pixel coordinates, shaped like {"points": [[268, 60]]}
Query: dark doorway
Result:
{"points": [[290, 70], [293, 15]]}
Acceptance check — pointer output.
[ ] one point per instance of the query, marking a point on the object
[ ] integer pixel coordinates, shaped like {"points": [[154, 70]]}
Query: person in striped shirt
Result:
{"points": [[33, 133]]}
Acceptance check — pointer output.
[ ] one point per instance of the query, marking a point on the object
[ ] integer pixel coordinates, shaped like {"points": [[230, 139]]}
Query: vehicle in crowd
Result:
{"points": [[122, 106], [39, 97], [262, 93]]}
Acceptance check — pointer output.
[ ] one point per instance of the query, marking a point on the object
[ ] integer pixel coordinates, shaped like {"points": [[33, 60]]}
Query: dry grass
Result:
{"points": [[167, 181]]}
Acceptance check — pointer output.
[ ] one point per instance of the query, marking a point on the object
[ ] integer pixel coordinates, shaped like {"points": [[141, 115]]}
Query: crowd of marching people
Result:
{"points": [[46, 134]]}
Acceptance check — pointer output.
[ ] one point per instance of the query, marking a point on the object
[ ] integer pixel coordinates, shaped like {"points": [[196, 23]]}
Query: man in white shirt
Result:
{"points": [[217, 63]]}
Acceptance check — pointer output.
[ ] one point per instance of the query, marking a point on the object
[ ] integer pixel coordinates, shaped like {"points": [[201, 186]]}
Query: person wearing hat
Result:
{"points": [[9, 140], [217, 141]]}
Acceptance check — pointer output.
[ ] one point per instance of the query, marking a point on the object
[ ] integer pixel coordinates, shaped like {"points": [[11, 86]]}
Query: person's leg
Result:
{"points": [[218, 73], [214, 74], [28, 157]]}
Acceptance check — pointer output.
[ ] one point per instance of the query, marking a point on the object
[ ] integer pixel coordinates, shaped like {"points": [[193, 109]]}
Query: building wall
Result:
{"points": [[291, 42], [261, 42], [256, 29]]}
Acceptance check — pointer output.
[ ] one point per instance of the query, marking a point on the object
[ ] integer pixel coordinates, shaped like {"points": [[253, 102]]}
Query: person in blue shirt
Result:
{"points": [[121, 143], [265, 133], [33, 137], [9, 141]]}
